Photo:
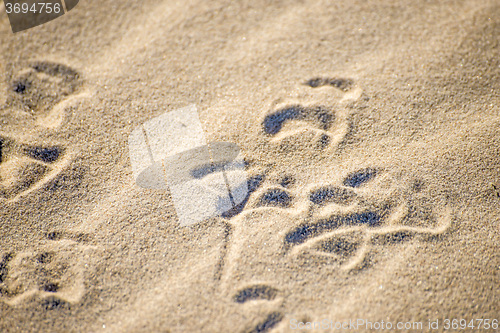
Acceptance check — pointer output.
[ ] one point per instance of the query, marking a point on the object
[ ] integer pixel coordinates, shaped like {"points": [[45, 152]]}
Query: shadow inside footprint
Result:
{"points": [[45, 257], [255, 182], [303, 233], [272, 123], [57, 70], [338, 195], [47, 155], [342, 247], [3, 266], [1, 150], [255, 293], [342, 84], [287, 181], [392, 237], [21, 86], [276, 198], [51, 287], [272, 320], [41, 85], [55, 303], [23, 166], [359, 177]]}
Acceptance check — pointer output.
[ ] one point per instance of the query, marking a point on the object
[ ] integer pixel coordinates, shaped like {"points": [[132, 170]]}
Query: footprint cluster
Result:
{"points": [[353, 224], [344, 221], [37, 97]]}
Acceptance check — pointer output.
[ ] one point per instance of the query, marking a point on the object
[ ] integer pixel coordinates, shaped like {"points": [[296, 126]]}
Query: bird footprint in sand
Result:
{"points": [[41, 85], [343, 222], [26, 167], [40, 92], [53, 273], [322, 123]]}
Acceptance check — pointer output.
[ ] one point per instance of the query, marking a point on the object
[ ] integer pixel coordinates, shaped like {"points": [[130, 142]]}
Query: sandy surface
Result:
{"points": [[387, 210]]}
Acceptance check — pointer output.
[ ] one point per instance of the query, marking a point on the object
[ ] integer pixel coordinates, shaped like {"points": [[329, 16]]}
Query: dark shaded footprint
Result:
{"points": [[77, 237], [324, 141], [321, 116], [392, 237], [57, 70], [303, 233], [42, 85], [418, 185], [276, 198], [338, 195], [3, 266], [47, 155], [55, 303], [341, 246], [23, 166], [50, 287], [287, 181], [45, 257], [255, 293], [255, 182], [6, 146], [1, 149], [342, 84], [54, 235], [21, 86], [272, 320], [359, 177], [54, 274], [208, 169], [26, 176]]}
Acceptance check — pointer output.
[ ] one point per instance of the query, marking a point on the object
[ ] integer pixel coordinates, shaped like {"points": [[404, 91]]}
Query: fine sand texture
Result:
{"points": [[371, 137]]}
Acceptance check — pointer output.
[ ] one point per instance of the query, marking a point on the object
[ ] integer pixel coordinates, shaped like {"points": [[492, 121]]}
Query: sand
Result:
{"points": [[382, 207]]}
